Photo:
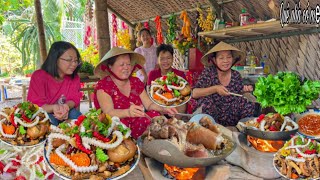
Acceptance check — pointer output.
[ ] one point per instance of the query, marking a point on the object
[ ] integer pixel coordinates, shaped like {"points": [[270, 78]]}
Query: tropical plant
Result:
{"points": [[8, 6], [86, 67], [90, 54], [10, 62]]}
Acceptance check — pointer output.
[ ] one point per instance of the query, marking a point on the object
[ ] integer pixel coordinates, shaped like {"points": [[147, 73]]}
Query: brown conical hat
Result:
{"points": [[237, 54], [136, 58]]}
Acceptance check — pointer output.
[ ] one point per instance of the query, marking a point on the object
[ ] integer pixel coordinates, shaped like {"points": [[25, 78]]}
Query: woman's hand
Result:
{"points": [[247, 88], [221, 90], [60, 111], [170, 111], [136, 111]]}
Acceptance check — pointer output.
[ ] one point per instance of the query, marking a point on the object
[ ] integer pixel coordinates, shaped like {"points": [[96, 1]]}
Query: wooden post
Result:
{"points": [[103, 36], [2, 93], [24, 93], [41, 36]]}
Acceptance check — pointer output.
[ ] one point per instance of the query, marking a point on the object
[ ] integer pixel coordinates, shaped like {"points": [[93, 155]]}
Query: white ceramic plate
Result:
{"points": [[69, 178], [162, 105], [23, 146], [197, 117]]}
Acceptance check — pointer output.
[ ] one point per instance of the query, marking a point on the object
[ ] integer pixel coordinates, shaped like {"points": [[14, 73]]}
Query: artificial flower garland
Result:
{"points": [[207, 23], [114, 30], [186, 28], [172, 26], [159, 30]]}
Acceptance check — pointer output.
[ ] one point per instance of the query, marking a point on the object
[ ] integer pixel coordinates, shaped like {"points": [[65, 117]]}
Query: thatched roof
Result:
{"points": [[146, 10]]}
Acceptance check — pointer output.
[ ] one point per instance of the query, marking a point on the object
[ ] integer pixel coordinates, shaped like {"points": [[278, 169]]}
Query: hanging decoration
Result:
{"points": [[146, 25], [159, 30], [136, 34], [172, 27], [114, 30], [185, 31], [87, 36], [206, 24], [123, 37]]}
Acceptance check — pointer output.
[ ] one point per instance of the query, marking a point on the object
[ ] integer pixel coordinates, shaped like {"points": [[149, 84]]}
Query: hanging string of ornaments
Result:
{"points": [[114, 30], [206, 24], [172, 27], [159, 30], [123, 37], [186, 28]]}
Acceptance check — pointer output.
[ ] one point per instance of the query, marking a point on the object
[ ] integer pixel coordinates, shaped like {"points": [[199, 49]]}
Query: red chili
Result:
{"points": [[260, 118], [40, 160], [20, 178], [164, 78], [100, 137], [310, 151], [24, 117], [166, 88], [12, 120], [15, 163], [80, 145], [11, 170], [1, 167], [80, 120], [272, 128]]}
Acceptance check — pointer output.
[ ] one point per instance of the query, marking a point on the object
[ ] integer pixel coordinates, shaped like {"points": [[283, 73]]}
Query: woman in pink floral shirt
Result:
{"points": [[120, 94]]}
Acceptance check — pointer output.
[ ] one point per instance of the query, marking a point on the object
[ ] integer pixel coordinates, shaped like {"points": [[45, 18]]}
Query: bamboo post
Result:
{"points": [[24, 93]]}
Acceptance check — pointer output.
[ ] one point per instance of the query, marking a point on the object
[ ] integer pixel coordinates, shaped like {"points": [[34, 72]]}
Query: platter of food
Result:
{"points": [[93, 146], [272, 126], [309, 124], [170, 90], [176, 143], [298, 159], [24, 124]]}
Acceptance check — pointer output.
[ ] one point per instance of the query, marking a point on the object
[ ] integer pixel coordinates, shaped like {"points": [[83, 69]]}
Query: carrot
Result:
{"points": [[156, 97], [294, 176], [81, 159], [168, 95], [55, 159], [8, 129]]}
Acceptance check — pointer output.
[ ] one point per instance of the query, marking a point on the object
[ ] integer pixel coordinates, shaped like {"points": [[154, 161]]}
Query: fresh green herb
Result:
{"points": [[17, 115], [318, 148], [86, 134], [299, 141], [311, 146], [122, 129], [74, 130], [286, 92], [2, 151], [176, 93], [39, 174], [22, 130], [64, 125], [101, 155], [86, 123]]}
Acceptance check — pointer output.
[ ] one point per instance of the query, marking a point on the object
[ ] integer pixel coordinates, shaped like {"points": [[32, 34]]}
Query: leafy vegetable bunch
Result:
{"points": [[286, 92]]}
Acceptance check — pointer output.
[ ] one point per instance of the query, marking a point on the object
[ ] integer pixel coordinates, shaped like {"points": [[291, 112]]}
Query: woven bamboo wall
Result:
{"points": [[299, 54]]}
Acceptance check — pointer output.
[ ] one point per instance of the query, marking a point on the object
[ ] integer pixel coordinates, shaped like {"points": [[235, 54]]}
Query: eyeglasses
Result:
{"points": [[77, 62]]}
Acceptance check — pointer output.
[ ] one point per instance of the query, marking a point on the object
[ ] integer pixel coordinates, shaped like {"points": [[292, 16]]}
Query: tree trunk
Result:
{"points": [[41, 34], [102, 23]]}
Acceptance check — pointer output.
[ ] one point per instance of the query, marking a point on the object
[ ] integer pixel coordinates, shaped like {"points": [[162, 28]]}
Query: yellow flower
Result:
{"points": [[184, 43]]}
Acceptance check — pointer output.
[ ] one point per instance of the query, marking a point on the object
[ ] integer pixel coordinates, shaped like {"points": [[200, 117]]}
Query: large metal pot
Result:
{"points": [[268, 135], [166, 152]]}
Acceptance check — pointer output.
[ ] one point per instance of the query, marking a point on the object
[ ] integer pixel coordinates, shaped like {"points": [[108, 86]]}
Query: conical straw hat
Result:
{"points": [[238, 55], [136, 58]]}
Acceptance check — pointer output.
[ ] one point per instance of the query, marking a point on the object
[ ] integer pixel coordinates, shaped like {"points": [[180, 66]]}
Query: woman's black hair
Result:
{"points": [[50, 65], [146, 30], [164, 48]]}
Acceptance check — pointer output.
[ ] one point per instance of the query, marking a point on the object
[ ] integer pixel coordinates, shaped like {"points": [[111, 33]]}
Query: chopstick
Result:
{"points": [[235, 94]]}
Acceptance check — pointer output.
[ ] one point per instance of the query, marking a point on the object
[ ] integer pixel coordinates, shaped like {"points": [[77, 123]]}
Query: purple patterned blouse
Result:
{"points": [[226, 110]]}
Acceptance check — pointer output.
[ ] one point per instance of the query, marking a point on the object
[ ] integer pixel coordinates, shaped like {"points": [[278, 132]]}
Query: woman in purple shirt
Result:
{"points": [[56, 86]]}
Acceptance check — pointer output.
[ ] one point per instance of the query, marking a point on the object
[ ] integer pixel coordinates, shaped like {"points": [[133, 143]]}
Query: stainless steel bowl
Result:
{"points": [[267, 135], [166, 152]]}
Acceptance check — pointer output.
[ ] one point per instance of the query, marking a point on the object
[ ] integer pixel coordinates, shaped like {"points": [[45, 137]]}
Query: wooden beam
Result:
{"points": [[121, 17], [178, 13], [41, 36], [103, 36]]}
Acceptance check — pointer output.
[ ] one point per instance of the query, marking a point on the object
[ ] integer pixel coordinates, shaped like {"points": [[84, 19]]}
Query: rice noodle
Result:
{"points": [[35, 114], [116, 121], [164, 98], [72, 164], [263, 122], [4, 134], [103, 144], [295, 159], [152, 88], [35, 122], [305, 155], [54, 128], [283, 124], [3, 114], [295, 125], [51, 137], [299, 146], [17, 111]]}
